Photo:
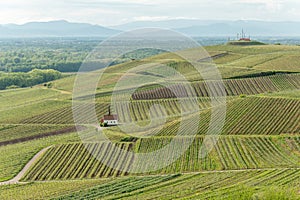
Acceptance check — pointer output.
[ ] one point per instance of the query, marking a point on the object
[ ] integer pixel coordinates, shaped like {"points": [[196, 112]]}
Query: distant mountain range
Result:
{"points": [[59, 28], [220, 28], [189, 27]]}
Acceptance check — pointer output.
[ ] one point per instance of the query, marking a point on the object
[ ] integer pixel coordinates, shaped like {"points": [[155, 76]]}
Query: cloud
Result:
{"points": [[270, 5], [159, 18], [112, 12], [113, 3]]}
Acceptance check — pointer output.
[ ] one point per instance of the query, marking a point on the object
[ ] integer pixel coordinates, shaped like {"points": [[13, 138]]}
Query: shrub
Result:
{"points": [[129, 139], [12, 87]]}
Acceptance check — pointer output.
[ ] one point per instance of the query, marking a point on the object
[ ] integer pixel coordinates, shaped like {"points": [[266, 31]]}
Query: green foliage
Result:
{"points": [[129, 139], [104, 124], [31, 78], [245, 43], [64, 55], [29, 54], [12, 87]]}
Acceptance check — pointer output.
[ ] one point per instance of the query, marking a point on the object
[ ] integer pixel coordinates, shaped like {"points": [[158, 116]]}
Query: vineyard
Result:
{"points": [[263, 116], [135, 111], [14, 157], [118, 188], [16, 115], [10, 134], [251, 115], [66, 115], [232, 87], [46, 190], [269, 184], [256, 154], [73, 161], [228, 185], [230, 153]]}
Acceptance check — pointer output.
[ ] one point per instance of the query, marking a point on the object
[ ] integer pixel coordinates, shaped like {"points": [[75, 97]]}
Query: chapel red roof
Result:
{"points": [[110, 117]]}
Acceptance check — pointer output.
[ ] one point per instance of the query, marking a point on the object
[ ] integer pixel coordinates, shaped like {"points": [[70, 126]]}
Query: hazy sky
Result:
{"points": [[112, 12]]}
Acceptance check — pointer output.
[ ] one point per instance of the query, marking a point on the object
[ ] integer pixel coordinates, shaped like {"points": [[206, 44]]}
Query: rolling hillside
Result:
{"points": [[257, 154]]}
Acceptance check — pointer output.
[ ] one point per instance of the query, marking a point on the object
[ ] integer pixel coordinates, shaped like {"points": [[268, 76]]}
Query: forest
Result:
{"points": [[64, 55], [22, 79]]}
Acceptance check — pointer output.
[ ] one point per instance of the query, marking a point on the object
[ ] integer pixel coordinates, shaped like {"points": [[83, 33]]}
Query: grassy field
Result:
{"points": [[260, 184], [256, 157], [260, 58]]}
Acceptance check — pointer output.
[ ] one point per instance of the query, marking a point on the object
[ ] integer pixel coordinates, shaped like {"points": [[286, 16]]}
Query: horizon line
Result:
{"points": [[163, 20]]}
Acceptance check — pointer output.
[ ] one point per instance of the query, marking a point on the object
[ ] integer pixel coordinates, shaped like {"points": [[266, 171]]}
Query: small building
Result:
{"points": [[110, 120], [245, 39]]}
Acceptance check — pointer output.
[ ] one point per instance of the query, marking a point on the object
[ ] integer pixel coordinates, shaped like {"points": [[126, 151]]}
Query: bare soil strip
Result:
{"points": [[58, 132]]}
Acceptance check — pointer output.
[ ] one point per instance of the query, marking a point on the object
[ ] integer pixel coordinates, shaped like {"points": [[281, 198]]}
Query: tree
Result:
{"points": [[17, 60]]}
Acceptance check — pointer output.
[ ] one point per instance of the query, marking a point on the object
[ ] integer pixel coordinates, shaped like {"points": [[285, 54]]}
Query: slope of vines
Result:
{"points": [[10, 133], [232, 87], [265, 184], [73, 161], [229, 153], [135, 111], [251, 115]]}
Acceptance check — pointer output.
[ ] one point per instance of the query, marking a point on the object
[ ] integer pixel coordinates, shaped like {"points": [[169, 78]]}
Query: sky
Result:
{"points": [[114, 12]]}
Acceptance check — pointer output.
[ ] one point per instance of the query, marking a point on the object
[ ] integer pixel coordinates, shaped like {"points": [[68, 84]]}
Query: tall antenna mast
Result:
{"points": [[108, 110]]}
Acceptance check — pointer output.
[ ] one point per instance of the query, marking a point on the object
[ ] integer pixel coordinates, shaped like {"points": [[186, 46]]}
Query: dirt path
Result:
{"points": [[17, 178]]}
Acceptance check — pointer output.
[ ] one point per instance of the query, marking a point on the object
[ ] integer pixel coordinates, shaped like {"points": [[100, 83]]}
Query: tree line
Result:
{"points": [[62, 55], [21, 79]]}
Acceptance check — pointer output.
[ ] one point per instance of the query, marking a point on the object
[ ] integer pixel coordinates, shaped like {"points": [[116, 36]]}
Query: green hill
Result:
{"points": [[256, 157]]}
